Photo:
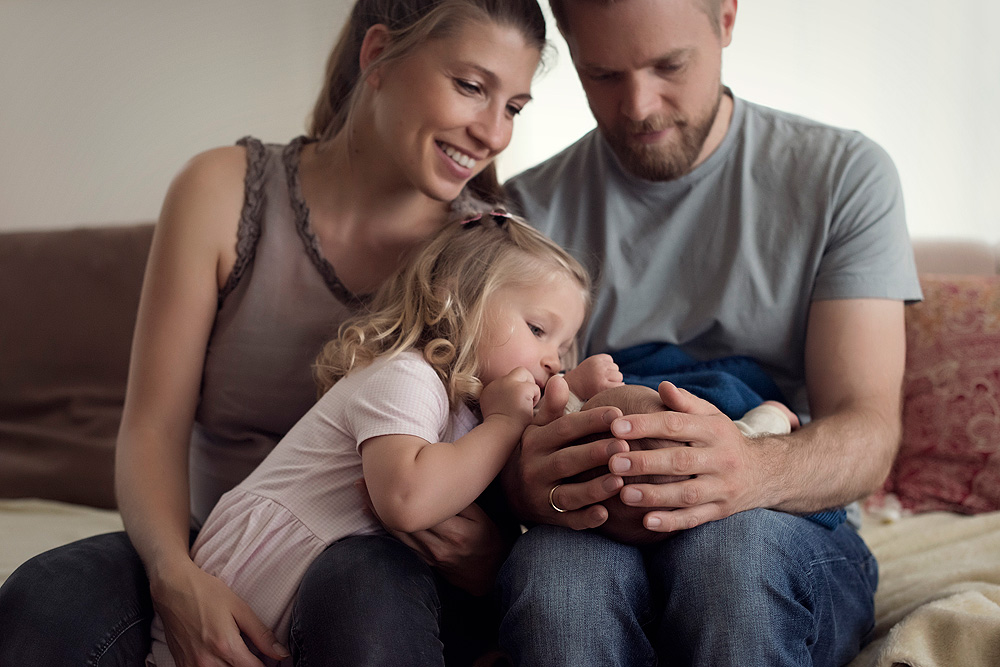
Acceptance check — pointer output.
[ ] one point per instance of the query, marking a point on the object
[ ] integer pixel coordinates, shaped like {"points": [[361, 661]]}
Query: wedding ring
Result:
{"points": [[552, 500]]}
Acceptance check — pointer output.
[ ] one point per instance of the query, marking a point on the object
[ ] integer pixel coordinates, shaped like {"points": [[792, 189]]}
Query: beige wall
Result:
{"points": [[102, 101]]}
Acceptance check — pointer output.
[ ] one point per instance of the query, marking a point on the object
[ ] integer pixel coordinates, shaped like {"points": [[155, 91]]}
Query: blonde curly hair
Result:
{"points": [[437, 303]]}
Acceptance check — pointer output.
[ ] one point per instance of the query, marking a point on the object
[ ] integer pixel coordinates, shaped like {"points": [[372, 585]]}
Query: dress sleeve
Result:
{"points": [[401, 397]]}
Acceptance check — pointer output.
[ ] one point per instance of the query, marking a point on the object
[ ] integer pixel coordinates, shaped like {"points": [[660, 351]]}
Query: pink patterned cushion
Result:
{"points": [[950, 454]]}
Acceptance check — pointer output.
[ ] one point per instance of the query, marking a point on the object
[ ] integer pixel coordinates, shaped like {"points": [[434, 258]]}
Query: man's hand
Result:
{"points": [[546, 457], [203, 621], [855, 356], [725, 467]]}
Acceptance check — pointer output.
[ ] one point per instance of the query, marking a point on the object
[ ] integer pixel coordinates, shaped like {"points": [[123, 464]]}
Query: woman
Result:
{"points": [[259, 254]]}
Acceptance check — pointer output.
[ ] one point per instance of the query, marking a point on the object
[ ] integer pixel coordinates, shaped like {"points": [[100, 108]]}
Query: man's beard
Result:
{"points": [[662, 162]]}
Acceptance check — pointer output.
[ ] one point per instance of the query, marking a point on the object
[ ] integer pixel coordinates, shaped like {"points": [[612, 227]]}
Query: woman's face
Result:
{"points": [[444, 112]]}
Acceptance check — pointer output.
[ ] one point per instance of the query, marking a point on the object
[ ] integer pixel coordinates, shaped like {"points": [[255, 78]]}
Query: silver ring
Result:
{"points": [[552, 500]]}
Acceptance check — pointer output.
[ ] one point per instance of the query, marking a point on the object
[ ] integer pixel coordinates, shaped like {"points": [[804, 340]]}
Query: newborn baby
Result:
{"points": [[624, 523]]}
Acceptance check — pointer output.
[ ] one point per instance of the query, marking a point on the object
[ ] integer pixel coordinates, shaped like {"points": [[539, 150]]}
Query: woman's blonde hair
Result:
{"points": [[437, 303], [412, 23]]}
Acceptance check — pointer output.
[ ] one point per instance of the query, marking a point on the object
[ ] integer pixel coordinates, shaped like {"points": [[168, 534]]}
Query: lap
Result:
{"points": [[88, 600], [720, 574], [371, 600]]}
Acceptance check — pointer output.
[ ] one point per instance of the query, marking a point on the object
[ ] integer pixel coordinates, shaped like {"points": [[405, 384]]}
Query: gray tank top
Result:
{"points": [[282, 301]]}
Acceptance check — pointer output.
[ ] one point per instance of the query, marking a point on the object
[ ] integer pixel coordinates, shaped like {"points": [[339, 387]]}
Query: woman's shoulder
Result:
{"points": [[203, 206], [220, 168]]}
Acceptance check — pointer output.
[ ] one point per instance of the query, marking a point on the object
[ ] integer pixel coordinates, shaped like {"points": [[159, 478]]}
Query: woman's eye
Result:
{"points": [[468, 86], [513, 109]]}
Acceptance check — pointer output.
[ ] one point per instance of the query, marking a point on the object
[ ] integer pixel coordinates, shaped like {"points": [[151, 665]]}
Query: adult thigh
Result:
{"points": [[763, 588], [86, 603], [574, 598], [367, 600]]}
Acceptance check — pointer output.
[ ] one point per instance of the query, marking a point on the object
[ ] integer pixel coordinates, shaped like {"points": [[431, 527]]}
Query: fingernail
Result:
{"points": [[653, 522], [612, 484], [620, 464], [631, 495], [280, 650], [609, 416], [616, 447], [621, 427]]}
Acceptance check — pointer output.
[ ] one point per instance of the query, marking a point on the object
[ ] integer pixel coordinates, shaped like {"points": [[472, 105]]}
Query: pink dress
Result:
{"points": [[263, 535]]}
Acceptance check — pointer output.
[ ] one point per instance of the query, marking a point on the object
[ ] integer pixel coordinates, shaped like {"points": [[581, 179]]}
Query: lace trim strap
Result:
{"points": [[254, 197], [291, 156]]}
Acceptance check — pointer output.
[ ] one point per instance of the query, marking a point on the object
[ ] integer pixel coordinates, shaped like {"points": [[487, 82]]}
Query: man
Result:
{"points": [[724, 228]]}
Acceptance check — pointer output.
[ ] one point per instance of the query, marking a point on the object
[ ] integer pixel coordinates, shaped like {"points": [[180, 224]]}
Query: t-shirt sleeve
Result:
{"points": [[868, 252], [402, 397]]}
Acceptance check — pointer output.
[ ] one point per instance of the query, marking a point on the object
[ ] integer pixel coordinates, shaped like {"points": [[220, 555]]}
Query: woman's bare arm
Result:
{"points": [[192, 253]]}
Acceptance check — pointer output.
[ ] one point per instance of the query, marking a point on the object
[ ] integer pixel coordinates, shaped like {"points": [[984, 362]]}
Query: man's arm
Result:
{"points": [[855, 354]]}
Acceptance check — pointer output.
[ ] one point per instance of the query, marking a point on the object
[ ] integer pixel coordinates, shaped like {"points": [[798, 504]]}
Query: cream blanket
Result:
{"points": [[29, 526], [937, 605], [938, 600]]}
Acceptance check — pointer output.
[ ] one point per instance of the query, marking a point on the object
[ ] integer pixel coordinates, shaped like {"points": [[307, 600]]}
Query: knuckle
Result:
{"points": [[561, 429], [561, 467], [683, 460], [673, 421], [594, 491], [690, 495], [530, 437], [219, 647]]}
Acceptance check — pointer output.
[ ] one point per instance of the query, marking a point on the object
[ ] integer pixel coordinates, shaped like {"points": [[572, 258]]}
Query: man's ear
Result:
{"points": [[727, 21], [373, 45]]}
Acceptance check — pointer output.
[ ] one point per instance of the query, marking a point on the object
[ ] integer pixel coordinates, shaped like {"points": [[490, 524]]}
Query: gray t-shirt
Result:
{"points": [[726, 259]]}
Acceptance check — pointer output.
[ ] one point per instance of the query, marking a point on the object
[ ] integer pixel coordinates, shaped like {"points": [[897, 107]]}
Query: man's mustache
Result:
{"points": [[655, 124]]}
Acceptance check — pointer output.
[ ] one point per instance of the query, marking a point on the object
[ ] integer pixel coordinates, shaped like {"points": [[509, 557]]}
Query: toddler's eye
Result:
{"points": [[536, 330]]}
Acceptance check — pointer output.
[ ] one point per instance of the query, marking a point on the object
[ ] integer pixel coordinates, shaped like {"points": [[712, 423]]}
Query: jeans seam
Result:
{"points": [[113, 637], [295, 645]]}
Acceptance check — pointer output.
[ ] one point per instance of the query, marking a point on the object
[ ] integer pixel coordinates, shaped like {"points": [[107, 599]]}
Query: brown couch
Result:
{"points": [[68, 300]]}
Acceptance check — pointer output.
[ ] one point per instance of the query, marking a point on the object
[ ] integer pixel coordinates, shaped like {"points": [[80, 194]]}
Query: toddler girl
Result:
{"points": [[425, 395]]}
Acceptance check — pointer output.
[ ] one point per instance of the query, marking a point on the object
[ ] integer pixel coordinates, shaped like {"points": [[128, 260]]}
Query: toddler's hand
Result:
{"points": [[514, 395], [592, 375]]}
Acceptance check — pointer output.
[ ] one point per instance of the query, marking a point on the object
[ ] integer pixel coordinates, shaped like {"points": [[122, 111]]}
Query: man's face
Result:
{"points": [[651, 70]]}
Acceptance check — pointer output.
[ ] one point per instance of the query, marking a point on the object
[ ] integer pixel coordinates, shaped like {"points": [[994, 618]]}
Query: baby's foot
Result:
{"points": [[793, 419]]}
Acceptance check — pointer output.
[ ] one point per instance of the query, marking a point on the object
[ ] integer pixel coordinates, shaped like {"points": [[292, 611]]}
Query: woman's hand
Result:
{"points": [[546, 457], [466, 549], [202, 619]]}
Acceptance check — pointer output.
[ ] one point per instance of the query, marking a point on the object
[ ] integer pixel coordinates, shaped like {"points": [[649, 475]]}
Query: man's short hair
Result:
{"points": [[711, 8]]}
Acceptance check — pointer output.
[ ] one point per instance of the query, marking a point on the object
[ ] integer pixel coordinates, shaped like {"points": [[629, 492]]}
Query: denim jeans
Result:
{"points": [[758, 588], [364, 601], [370, 600], [86, 603]]}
